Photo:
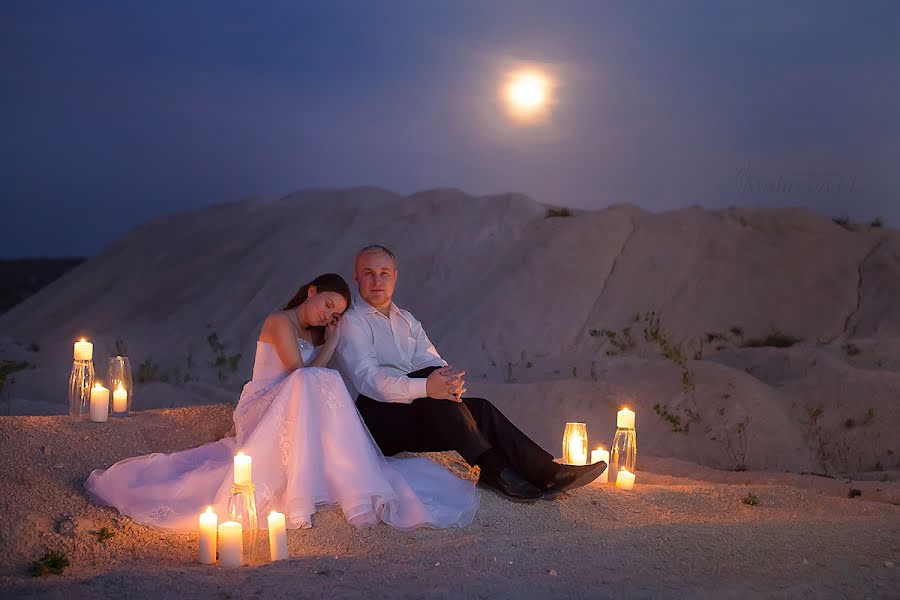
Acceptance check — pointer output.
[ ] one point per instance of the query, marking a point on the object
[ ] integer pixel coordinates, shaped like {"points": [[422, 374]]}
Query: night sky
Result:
{"points": [[113, 113]]}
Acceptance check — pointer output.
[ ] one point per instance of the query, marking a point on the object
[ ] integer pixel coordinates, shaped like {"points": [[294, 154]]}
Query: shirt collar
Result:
{"points": [[367, 309]]}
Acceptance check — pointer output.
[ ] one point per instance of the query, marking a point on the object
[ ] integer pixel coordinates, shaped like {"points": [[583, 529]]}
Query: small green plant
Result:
{"points": [[102, 534], [221, 359], [750, 499], [53, 562], [558, 212], [620, 343], [776, 339], [851, 349], [654, 333], [214, 344], [853, 492], [9, 367], [674, 421], [870, 417], [712, 336], [149, 371]]}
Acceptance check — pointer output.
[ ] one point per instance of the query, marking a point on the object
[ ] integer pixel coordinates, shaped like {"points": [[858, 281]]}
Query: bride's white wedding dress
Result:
{"points": [[310, 451]]}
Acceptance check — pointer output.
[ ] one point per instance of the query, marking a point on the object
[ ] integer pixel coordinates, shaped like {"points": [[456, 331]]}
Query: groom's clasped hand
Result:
{"points": [[446, 383]]}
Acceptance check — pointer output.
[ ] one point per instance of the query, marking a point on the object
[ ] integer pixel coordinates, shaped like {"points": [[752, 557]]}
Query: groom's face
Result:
{"points": [[376, 276]]}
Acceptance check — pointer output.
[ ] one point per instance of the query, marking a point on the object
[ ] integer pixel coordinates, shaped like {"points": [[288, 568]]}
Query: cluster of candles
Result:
{"points": [[229, 536], [575, 449], [99, 407]]}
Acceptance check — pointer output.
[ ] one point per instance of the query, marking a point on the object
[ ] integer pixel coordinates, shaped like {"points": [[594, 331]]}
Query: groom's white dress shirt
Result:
{"points": [[376, 352]]}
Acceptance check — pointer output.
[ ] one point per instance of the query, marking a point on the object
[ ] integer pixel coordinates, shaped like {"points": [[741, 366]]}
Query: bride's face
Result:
{"points": [[322, 308], [376, 276]]}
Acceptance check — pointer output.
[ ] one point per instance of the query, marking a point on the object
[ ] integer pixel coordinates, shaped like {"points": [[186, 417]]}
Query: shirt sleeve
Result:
{"points": [[425, 354], [357, 357]]}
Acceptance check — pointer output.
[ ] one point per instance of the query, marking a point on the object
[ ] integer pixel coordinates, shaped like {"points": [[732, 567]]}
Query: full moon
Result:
{"points": [[527, 94]]}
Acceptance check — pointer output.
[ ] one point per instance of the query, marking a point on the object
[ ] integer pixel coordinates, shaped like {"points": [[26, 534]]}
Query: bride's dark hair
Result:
{"points": [[329, 282]]}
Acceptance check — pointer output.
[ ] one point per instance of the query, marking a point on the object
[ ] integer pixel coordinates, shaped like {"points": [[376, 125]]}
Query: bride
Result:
{"points": [[310, 449]]}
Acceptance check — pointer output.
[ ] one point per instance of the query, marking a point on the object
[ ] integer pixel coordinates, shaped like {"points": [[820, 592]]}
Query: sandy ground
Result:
{"points": [[682, 532]]}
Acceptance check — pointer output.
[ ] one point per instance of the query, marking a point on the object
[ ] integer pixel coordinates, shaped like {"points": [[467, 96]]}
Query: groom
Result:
{"points": [[411, 400]]}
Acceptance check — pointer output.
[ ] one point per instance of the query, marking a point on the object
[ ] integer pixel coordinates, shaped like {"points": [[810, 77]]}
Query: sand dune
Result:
{"points": [[775, 360], [521, 299]]}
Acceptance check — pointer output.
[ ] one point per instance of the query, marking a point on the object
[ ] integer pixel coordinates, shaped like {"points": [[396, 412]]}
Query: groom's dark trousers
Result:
{"points": [[470, 427]]}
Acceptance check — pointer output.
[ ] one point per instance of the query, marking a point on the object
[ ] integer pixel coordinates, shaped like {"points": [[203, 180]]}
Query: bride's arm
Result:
{"points": [[332, 337], [279, 330]]}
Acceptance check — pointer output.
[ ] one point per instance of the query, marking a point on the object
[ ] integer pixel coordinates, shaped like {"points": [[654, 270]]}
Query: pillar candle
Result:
{"points": [[120, 399], [625, 480], [208, 527], [598, 455], [625, 419], [84, 350], [99, 403], [231, 549], [242, 464], [278, 548]]}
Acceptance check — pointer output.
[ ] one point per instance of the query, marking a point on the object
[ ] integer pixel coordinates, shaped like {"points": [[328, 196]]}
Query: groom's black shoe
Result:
{"points": [[569, 477], [508, 483]]}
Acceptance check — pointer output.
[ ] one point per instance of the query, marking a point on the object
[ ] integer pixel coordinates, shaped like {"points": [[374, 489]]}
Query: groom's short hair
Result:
{"points": [[374, 249]]}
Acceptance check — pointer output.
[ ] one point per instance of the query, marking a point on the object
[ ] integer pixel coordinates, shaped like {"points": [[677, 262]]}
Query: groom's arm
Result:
{"points": [[425, 354], [356, 353]]}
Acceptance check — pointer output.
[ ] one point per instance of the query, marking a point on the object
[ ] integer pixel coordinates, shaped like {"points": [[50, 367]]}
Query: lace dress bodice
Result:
{"points": [[268, 366]]}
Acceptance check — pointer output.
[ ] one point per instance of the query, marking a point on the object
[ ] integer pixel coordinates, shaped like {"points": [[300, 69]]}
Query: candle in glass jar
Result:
{"points": [[242, 464], [84, 350], [598, 455], [278, 548], [625, 480], [576, 450], [120, 399], [99, 403], [625, 419], [231, 540], [208, 527]]}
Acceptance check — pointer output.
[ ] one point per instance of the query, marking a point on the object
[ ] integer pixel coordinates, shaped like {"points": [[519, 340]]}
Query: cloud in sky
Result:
{"points": [[115, 113]]}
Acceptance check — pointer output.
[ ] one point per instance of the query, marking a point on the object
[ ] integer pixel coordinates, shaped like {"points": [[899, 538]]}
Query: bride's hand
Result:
{"points": [[333, 331]]}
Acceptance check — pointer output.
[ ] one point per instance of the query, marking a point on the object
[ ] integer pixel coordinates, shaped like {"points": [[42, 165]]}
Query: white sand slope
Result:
{"points": [[519, 300]]}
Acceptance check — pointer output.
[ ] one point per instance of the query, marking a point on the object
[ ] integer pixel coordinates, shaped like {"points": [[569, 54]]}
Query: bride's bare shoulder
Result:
{"points": [[275, 321]]}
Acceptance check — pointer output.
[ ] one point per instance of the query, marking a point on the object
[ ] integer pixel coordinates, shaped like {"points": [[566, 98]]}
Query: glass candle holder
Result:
{"points": [[242, 508], [80, 383], [575, 444], [121, 387], [623, 453]]}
